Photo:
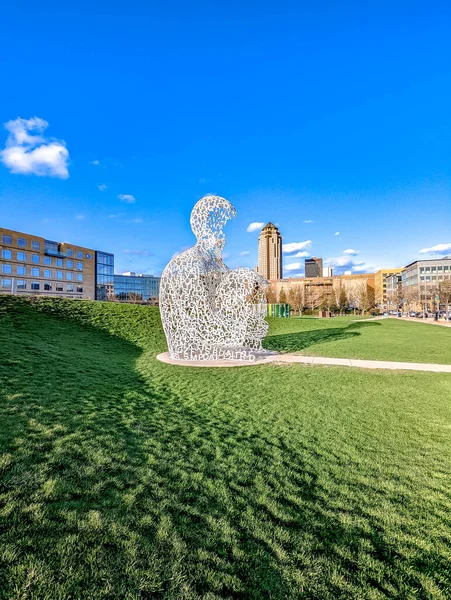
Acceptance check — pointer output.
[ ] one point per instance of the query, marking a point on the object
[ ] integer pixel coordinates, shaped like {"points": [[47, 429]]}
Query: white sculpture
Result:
{"points": [[210, 312]]}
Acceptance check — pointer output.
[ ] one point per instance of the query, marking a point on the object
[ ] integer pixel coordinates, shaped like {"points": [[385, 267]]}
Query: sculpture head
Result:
{"points": [[208, 218]]}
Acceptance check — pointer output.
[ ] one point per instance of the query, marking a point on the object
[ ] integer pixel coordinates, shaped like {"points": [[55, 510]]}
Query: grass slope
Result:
{"points": [[387, 339], [121, 477]]}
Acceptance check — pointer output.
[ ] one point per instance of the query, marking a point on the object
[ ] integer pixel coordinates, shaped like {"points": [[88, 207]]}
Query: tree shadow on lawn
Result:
{"points": [[295, 342], [116, 485]]}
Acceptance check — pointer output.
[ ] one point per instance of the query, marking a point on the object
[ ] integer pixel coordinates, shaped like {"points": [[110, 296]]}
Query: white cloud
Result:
{"points": [[80, 217], [342, 262], [294, 246], [95, 162], [337, 233], [114, 216], [293, 266], [102, 187], [138, 220], [244, 253], [348, 263], [302, 254], [437, 249], [127, 198], [202, 180], [351, 252], [255, 226], [137, 252], [308, 221], [28, 153]]}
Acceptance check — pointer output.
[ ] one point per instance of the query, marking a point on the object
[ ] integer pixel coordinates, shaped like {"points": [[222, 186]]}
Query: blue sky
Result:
{"points": [[331, 119]]}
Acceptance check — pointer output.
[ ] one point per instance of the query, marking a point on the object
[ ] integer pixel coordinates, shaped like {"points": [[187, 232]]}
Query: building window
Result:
{"points": [[22, 242], [433, 269], [79, 254], [36, 245], [439, 268], [80, 266], [22, 256], [69, 264], [59, 274], [47, 286], [445, 268], [35, 285], [59, 287], [422, 278], [7, 253], [79, 276], [35, 271], [6, 283], [36, 258], [7, 239], [21, 284], [47, 260], [428, 269], [70, 287], [69, 252], [421, 269], [21, 270], [79, 289], [59, 262], [7, 269], [69, 276], [48, 273]]}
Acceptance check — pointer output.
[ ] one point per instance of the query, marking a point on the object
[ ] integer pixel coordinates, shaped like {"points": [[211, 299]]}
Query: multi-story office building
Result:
{"points": [[393, 289], [380, 285], [427, 272], [134, 287], [104, 275], [314, 267], [30, 264], [270, 253]]}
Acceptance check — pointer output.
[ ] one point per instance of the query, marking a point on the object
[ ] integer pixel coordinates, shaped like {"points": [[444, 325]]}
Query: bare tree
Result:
{"points": [[362, 295], [110, 296], [282, 296], [271, 294], [296, 298], [343, 301], [445, 294]]}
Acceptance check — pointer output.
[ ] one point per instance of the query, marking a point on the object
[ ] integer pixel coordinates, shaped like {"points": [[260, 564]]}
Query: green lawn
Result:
{"points": [[387, 339], [122, 477]]}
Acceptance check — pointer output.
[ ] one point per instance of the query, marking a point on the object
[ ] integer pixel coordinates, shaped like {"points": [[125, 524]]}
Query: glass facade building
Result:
{"points": [[136, 287], [30, 264], [104, 275]]}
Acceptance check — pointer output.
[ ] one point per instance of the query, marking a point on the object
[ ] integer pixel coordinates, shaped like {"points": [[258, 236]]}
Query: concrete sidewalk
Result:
{"points": [[426, 321], [362, 364], [310, 360]]}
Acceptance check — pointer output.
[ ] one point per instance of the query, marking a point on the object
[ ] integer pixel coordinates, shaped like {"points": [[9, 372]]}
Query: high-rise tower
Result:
{"points": [[270, 252], [314, 267]]}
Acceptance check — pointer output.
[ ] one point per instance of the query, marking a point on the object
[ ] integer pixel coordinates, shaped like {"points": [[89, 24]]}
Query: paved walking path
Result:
{"points": [[312, 360], [429, 321]]}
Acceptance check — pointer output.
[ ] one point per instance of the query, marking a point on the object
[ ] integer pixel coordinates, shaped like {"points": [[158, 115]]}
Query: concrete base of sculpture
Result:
{"points": [[260, 359]]}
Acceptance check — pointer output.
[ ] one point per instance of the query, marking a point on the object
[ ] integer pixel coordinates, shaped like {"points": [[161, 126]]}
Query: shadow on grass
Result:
{"points": [[115, 485], [295, 342]]}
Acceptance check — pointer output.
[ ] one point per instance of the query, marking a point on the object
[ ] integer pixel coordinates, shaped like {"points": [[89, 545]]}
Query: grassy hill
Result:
{"points": [[121, 477]]}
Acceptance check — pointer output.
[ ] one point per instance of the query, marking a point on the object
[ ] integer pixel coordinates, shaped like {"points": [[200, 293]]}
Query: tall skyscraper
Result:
{"points": [[270, 253], [314, 267]]}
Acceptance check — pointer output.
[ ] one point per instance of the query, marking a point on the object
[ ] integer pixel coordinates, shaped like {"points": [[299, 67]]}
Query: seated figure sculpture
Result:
{"points": [[210, 312]]}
